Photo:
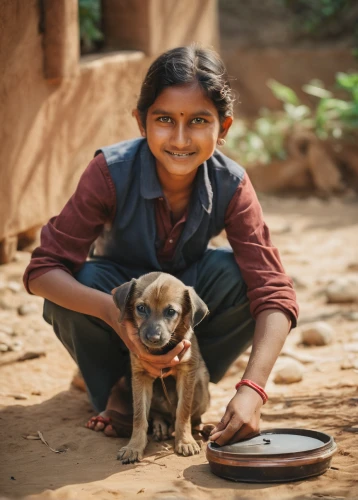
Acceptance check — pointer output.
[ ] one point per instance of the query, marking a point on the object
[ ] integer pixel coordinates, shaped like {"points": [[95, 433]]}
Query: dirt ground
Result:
{"points": [[318, 243]]}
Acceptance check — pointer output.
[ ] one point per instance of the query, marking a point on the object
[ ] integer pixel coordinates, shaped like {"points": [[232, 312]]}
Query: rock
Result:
{"points": [[343, 289], [14, 286], [4, 338], [319, 333], [351, 315], [7, 329], [18, 396], [348, 364], [289, 372], [16, 346], [28, 308], [351, 347], [298, 283], [4, 347]]}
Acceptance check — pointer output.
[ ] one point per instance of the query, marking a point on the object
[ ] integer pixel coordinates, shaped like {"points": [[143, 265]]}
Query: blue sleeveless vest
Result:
{"points": [[132, 240]]}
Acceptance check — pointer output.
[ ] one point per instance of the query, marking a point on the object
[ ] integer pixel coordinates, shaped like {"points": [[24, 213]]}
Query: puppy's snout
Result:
{"points": [[153, 335]]}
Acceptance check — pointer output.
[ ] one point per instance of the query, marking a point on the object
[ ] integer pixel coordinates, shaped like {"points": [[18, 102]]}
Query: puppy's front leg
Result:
{"points": [[185, 444], [142, 387]]}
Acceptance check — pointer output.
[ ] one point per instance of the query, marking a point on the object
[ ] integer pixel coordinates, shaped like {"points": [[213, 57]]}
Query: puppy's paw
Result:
{"points": [[187, 447], [160, 430], [129, 455]]}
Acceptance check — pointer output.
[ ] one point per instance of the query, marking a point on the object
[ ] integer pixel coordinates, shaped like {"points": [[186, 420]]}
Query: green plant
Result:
{"points": [[89, 21], [263, 140]]}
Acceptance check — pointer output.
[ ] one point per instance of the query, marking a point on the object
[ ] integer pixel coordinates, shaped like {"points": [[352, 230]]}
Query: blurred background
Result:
{"points": [[71, 72]]}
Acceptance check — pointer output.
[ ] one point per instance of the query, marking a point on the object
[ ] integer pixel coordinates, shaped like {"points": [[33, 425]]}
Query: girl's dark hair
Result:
{"points": [[184, 65]]}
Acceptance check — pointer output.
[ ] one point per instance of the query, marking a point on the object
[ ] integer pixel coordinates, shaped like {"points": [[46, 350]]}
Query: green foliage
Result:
{"points": [[263, 140], [324, 19], [314, 14], [90, 19]]}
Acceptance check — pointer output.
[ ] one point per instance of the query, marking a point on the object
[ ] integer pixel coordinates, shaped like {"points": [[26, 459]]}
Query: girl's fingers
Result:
{"points": [[228, 433], [223, 422]]}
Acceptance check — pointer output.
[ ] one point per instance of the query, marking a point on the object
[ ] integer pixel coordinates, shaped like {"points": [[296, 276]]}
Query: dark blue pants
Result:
{"points": [[103, 358]]}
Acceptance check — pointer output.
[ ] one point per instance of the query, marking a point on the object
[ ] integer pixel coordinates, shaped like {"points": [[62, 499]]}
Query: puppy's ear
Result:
{"points": [[123, 294], [198, 307]]}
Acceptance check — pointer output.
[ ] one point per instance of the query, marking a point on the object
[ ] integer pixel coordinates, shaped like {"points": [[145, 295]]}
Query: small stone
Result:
{"points": [[14, 286], [298, 283], [289, 372], [28, 308], [18, 396], [343, 290], [319, 333], [36, 393], [16, 346], [351, 347], [351, 316], [6, 329], [347, 364], [4, 338], [4, 347]]}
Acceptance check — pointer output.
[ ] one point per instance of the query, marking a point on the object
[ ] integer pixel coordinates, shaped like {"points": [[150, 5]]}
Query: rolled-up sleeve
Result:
{"points": [[268, 286], [67, 238]]}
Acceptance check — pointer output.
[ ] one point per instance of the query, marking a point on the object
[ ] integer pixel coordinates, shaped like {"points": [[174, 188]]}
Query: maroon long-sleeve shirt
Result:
{"points": [[66, 239]]}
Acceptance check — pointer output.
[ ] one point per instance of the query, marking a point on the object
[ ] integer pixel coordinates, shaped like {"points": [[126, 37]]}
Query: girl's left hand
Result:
{"points": [[241, 419]]}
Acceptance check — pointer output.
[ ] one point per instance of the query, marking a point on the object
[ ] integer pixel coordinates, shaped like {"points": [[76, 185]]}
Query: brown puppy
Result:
{"points": [[164, 311]]}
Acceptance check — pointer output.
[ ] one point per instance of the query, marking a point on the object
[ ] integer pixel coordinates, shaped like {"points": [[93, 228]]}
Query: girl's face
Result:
{"points": [[182, 129]]}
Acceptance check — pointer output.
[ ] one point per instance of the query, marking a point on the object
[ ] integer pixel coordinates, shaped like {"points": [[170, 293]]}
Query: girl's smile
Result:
{"points": [[182, 129]]}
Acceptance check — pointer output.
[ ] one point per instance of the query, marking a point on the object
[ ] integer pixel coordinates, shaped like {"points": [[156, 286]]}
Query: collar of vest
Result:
{"points": [[150, 187]]}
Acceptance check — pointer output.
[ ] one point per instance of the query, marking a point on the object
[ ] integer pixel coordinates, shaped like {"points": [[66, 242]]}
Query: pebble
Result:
{"points": [[14, 286], [289, 372], [4, 338], [298, 283], [28, 308], [351, 347], [7, 329], [348, 364], [4, 347], [319, 333], [342, 290], [351, 316], [16, 346]]}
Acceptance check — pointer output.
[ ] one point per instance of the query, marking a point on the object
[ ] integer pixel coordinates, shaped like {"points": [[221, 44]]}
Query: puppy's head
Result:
{"points": [[164, 310]]}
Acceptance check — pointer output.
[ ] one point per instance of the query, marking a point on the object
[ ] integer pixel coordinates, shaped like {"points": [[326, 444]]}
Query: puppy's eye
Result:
{"points": [[171, 312], [141, 309]]}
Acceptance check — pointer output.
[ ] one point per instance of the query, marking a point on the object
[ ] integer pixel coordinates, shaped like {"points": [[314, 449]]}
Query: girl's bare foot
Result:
{"points": [[117, 419]]}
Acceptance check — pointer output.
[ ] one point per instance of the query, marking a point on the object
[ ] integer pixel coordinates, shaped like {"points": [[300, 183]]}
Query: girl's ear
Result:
{"points": [[136, 115], [225, 126]]}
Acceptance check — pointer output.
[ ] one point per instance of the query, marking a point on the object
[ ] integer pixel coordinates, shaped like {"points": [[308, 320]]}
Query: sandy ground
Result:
{"points": [[318, 243]]}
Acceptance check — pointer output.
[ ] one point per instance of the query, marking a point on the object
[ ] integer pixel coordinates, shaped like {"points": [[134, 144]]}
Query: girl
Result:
{"points": [[153, 204]]}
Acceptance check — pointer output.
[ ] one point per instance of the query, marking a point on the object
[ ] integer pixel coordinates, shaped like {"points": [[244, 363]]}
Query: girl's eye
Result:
{"points": [[199, 121], [171, 312], [164, 119], [141, 309]]}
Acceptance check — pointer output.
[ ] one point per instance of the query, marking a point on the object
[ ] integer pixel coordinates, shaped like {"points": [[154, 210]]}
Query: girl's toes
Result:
{"points": [[109, 431], [99, 426]]}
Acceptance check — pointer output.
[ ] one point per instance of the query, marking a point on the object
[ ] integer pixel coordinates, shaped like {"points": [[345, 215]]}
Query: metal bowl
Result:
{"points": [[277, 455]]}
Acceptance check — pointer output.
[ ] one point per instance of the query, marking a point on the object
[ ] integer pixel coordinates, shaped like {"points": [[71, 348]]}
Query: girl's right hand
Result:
{"points": [[154, 364]]}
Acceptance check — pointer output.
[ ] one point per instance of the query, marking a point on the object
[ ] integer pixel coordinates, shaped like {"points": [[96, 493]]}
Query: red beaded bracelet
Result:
{"points": [[253, 386]]}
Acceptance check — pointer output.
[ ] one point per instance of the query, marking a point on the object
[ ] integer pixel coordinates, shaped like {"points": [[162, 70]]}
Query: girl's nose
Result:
{"points": [[180, 137]]}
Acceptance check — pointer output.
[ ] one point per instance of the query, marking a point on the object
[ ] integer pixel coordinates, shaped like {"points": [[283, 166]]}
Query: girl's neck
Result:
{"points": [[175, 184]]}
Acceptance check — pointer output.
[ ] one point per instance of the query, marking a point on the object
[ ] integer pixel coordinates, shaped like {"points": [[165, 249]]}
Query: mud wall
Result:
{"points": [[57, 108]]}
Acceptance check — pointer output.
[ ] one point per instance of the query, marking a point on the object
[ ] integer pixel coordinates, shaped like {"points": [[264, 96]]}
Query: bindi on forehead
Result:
{"points": [[181, 113]]}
